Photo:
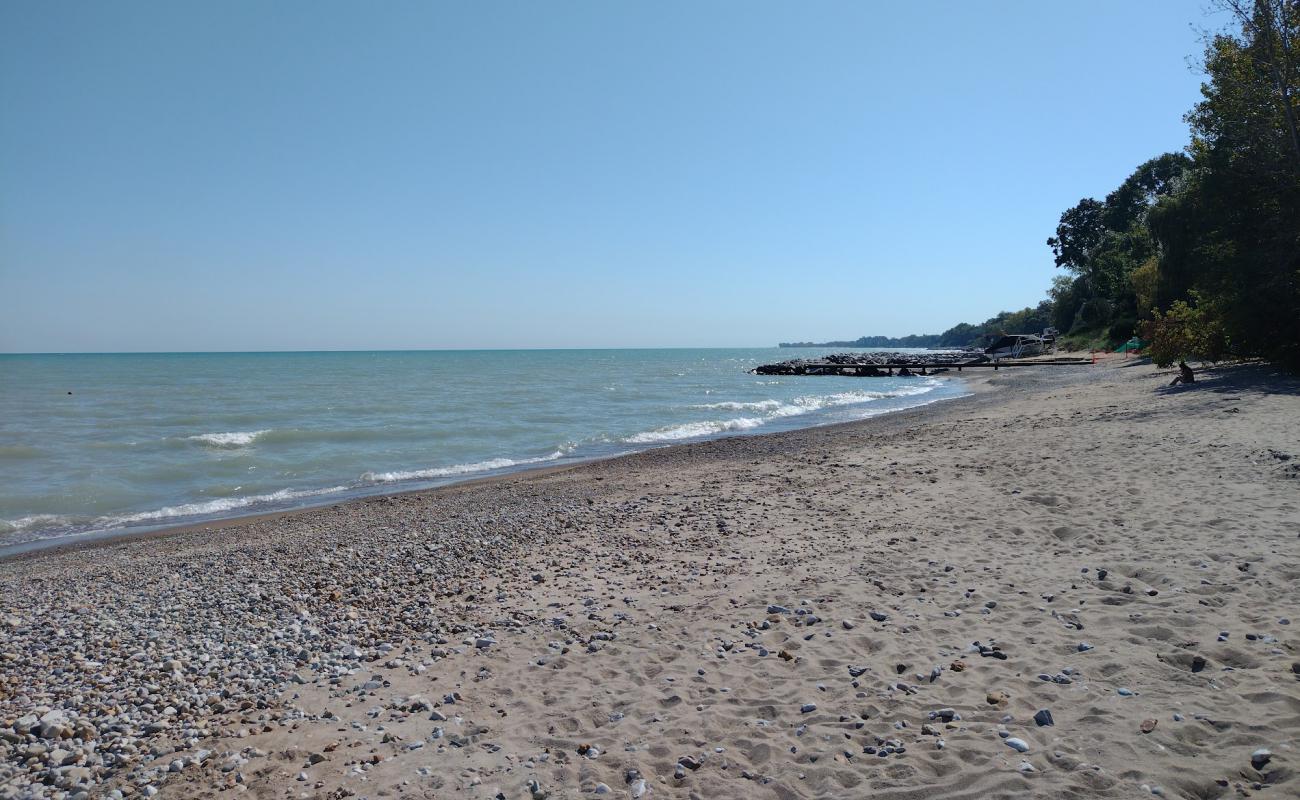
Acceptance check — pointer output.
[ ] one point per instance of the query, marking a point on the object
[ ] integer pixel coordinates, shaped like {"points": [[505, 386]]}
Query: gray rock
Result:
{"points": [[1260, 758], [1044, 718], [1019, 745]]}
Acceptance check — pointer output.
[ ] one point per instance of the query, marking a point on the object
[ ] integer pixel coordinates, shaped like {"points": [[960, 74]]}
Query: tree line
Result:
{"points": [[1197, 252]]}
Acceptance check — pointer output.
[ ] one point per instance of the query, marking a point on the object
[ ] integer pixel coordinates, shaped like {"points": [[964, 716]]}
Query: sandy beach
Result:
{"points": [[1075, 583]]}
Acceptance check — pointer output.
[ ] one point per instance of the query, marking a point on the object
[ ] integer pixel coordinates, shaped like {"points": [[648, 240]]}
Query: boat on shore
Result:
{"points": [[1023, 345]]}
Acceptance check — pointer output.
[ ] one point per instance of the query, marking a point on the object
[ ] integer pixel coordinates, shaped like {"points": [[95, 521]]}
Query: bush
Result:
{"points": [[1185, 331]]}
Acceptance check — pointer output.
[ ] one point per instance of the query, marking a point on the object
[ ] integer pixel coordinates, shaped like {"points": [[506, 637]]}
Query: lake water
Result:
{"points": [[104, 442]]}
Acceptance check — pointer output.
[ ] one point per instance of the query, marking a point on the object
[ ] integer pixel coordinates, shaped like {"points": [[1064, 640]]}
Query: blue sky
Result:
{"points": [[325, 175]]}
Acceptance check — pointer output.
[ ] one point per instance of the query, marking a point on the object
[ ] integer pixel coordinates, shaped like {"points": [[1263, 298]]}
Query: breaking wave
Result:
{"points": [[770, 410], [459, 469], [50, 525], [228, 440], [218, 506], [693, 429]]}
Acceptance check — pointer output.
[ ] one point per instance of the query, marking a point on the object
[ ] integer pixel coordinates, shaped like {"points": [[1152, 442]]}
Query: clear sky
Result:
{"points": [[323, 175]]}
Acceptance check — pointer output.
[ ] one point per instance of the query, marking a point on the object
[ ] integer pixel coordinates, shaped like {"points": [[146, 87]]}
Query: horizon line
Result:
{"points": [[373, 350]]}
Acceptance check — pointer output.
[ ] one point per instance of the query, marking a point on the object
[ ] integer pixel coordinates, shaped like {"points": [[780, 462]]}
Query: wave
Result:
{"points": [[690, 430], [803, 405], [33, 521], [49, 525], [771, 409], [228, 440], [758, 405], [217, 506], [460, 469]]}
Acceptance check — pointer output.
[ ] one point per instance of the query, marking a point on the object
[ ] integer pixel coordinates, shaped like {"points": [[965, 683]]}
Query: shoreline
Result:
{"points": [[883, 607], [111, 536]]}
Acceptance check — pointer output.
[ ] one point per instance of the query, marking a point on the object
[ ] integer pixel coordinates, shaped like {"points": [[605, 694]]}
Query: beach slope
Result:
{"points": [[1076, 583]]}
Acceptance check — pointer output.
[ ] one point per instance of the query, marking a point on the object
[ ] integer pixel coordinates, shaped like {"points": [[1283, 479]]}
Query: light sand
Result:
{"points": [[627, 612]]}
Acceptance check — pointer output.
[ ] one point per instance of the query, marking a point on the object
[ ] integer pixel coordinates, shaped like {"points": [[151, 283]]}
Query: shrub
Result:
{"points": [[1185, 331]]}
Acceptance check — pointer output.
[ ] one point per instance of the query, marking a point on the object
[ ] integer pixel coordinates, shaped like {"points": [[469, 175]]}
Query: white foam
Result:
{"points": [[691, 430], [231, 439], [803, 405], [758, 405], [32, 521], [459, 469], [217, 506]]}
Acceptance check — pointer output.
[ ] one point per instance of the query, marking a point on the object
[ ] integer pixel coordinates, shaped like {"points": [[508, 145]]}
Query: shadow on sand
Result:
{"points": [[1238, 379]]}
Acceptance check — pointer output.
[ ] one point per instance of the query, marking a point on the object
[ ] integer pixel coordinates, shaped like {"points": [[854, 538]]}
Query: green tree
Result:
{"points": [[1232, 230]]}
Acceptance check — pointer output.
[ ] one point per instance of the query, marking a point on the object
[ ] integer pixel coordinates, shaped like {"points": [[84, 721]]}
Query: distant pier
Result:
{"points": [[886, 365]]}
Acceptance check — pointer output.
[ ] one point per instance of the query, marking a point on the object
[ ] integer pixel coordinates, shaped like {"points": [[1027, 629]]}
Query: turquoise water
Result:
{"points": [[102, 442]]}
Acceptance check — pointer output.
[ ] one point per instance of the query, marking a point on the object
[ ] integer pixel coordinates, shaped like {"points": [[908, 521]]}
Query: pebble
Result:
{"points": [[1044, 717], [1260, 758], [808, 708], [1019, 745]]}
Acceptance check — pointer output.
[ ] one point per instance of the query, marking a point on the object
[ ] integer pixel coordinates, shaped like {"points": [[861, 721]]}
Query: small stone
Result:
{"points": [[1148, 725], [878, 616], [1044, 718], [997, 698], [1124, 691], [848, 624], [807, 708], [602, 788], [1019, 745], [1083, 647], [1260, 758]]}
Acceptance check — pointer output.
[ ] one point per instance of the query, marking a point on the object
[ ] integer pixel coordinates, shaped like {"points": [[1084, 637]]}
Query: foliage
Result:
{"points": [[1103, 243], [1185, 331], [1231, 233], [1027, 320], [1208, 240]]}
